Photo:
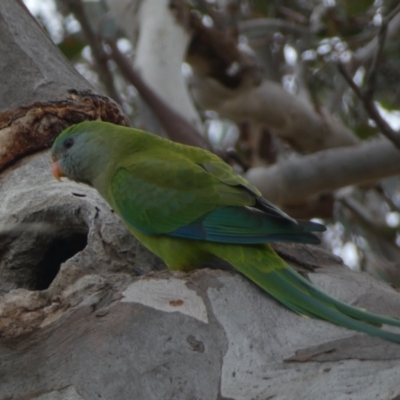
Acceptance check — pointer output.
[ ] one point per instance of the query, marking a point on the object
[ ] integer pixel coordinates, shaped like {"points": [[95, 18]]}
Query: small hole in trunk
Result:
{"points": [[58, 251], [32, 251]]}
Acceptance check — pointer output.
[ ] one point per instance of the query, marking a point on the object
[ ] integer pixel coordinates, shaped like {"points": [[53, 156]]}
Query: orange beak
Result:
{"points": [[56, 170]]}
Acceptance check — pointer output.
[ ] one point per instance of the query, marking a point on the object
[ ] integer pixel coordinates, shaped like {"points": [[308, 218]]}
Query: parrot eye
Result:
{"points": [[68, 143]]}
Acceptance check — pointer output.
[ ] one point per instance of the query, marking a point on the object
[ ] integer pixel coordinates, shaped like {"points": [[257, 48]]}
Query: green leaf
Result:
{"points": [[71, 46], [365, 131], [387, 104], [355, 7]]}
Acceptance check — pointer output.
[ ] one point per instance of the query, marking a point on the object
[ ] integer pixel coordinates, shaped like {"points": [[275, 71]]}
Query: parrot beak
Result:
{"points": [[56, 170]]}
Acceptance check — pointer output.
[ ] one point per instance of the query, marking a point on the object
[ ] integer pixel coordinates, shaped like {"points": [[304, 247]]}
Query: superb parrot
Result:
{"points": [[188, 206]]}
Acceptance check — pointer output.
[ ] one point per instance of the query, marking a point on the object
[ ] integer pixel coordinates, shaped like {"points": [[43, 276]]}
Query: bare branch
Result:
{"points": [[367, 220], [294, 180], [378, 55], [371, 109], [290, 117], [373, 70], [95, 43], [364, 54], [266, 26], [177, 127], [392, 14]]}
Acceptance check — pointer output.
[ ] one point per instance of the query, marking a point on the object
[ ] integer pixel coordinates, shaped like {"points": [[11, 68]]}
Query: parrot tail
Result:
{"points": [[265, 268]]}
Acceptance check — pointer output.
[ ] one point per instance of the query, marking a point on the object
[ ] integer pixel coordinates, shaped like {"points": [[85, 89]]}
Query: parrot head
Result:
{"points": [[79, 154]]}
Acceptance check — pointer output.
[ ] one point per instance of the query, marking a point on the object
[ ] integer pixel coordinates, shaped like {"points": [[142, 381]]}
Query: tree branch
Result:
{"points": [[160, 37], [367, 220], [371, 108], [294, 180], [95, 43], [266, 26], [364, 54], [177, 128], [376, 60], [290, 117]]}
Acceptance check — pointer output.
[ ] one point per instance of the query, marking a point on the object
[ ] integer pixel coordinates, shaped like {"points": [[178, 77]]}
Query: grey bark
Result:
{"points": [[103, 324], [41, 93], [30, 69], [325, 171], [99, 331]]}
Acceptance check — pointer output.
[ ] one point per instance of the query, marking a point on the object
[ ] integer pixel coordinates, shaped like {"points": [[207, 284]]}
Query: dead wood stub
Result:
{"points": [[32, 128]]}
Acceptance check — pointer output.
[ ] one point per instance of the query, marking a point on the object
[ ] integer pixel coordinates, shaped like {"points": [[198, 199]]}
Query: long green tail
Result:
{"points": [[264, 267]]}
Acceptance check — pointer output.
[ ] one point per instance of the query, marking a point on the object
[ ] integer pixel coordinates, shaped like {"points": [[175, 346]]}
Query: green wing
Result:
{"points": [[158, 194], [198, 196]]}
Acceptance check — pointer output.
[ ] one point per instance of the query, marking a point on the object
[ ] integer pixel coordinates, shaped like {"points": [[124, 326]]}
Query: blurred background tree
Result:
{"points": [[301, 96]]}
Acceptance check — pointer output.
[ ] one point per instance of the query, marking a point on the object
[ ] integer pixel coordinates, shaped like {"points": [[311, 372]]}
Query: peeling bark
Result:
{"points": [[27, 129]]}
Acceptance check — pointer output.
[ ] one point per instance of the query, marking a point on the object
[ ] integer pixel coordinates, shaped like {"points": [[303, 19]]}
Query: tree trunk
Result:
{"points": [[41, 92], [76, 321]]}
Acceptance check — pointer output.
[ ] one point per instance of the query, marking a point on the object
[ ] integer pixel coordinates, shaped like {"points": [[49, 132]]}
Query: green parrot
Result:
{"points": [[188, 206]]}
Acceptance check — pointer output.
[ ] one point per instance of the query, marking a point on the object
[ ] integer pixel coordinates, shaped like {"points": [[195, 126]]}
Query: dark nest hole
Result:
{"points": [[59, 250], [32, 252]]}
